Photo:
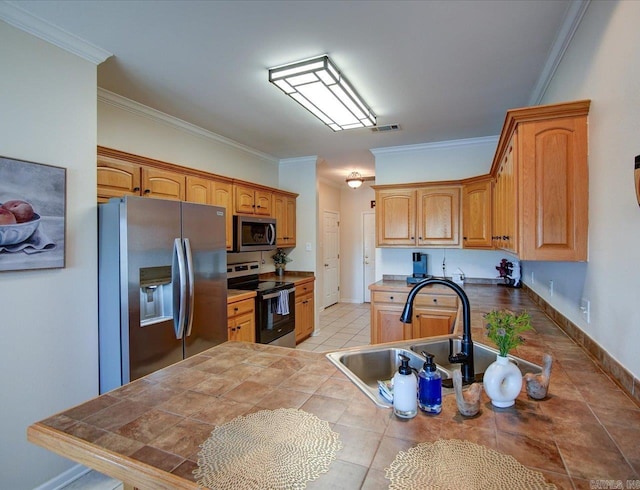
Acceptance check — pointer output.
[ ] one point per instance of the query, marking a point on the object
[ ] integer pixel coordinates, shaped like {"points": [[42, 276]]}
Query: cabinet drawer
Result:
{"points": [[389, 297], [240, 307], [443, 300], [304, 289]]}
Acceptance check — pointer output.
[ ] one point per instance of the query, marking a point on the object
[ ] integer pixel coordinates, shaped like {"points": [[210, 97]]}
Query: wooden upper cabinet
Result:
{"points": [[251, 200], [264, 204], [163, 184], [439, 216], [554, 189], [395, 217], [199, 190], [542, 184], [213, 192], [425, 217], [477, 200], [117, 178], [284, 211], [124, 174], [222, 194], [505, 219]]}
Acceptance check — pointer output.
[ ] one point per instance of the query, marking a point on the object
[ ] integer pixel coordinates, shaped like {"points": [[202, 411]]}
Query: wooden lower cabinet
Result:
{"points": [[241, 320], [304, 310], [429, 322], [434, 313], [386, 325]]}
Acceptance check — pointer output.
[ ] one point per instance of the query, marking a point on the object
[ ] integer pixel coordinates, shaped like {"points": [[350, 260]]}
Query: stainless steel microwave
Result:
{"points": [[251, 233]]}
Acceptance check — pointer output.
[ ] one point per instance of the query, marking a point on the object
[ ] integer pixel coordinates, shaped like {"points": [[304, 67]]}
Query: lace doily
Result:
{"points": [[454, 464], [270, 449]]}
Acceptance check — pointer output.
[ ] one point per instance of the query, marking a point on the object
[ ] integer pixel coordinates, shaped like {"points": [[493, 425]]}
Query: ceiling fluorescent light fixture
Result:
{"points": [[318, 86]]}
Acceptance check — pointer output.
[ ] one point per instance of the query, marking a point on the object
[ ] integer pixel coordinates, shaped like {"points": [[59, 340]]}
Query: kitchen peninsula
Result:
{"points": [[148, 432]]}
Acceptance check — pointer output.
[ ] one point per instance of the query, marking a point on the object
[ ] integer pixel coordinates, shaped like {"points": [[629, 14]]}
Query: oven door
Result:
{"points": [[275, 316]]}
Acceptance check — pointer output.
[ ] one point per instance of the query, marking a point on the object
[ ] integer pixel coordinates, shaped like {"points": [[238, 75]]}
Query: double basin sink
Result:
{"points": [[366, 365]]}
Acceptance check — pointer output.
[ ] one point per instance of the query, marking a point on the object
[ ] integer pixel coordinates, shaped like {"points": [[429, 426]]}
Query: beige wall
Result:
{"points": [[603, 64], [49, 317], [137, 129]]}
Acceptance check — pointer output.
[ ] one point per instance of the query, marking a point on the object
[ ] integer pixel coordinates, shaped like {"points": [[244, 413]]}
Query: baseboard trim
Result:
{"points": [[616, 371], [65, 478]]}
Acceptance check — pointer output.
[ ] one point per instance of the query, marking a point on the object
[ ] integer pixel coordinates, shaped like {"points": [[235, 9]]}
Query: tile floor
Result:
{"points": [[340, 325]]}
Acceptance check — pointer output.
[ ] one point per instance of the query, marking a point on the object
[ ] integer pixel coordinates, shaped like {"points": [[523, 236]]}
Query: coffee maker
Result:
{"points": [[419, 268]]}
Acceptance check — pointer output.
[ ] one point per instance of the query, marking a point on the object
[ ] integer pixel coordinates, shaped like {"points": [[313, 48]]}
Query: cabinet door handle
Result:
{"points": [[136, 189], [391, 298], [147, 191]]}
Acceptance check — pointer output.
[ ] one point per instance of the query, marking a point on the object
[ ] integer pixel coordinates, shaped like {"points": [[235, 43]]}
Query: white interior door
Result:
{"points": [[369, 252], [331, 258]]}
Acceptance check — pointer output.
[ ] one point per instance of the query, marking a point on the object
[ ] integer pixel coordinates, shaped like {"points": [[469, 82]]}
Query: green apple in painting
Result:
{"points": [[7, 217], [22, 210]]}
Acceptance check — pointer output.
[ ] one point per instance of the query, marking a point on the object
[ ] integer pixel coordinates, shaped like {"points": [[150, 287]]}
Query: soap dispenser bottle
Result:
{"points": [[405, 390], [429, 387]]}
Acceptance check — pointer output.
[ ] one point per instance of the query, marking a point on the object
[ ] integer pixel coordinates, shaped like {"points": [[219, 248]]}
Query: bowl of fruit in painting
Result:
{"points": [[18, 221]]}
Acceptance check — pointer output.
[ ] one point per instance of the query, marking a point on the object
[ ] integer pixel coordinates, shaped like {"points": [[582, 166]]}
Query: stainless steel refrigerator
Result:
{"points": [[162, 285]]}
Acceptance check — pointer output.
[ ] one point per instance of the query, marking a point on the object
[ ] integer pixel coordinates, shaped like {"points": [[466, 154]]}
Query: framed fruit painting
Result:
{"points": [[32, 215]]}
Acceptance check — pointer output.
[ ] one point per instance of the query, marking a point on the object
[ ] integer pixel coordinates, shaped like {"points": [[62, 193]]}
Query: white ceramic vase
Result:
{"points": [[502, 382]]}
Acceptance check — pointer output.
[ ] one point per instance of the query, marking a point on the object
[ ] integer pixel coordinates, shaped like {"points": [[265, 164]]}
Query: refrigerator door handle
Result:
{"points": [[181, 303], [191, 293]]}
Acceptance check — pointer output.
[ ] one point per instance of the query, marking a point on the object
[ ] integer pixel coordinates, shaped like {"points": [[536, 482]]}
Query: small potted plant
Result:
{"points": [[502, 379], [280, 260]]}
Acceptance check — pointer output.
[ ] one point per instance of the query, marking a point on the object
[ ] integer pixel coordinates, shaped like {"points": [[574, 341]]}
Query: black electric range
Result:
{"points": [[275, 303]]}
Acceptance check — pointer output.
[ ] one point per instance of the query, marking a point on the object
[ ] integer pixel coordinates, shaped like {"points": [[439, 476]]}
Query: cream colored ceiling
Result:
{"points": [[443, 70]]}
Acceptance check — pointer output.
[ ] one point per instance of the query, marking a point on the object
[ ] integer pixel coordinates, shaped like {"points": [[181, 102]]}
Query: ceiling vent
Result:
{"points": [[386, 128]]}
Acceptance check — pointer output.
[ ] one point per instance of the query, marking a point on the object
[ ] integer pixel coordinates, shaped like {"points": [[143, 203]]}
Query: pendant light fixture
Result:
{"points": [[355, 179], [319, 87]]}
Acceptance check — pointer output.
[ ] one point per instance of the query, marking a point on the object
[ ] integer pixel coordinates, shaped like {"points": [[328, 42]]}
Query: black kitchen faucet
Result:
{"points": [[465, 356]]}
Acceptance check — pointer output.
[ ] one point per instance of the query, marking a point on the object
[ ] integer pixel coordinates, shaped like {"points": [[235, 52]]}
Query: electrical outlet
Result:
{"points": [[585, 308], [551, 287]]}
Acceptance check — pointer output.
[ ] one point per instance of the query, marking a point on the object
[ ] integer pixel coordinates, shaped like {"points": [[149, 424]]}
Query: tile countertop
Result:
{"points": [[147, 433]]}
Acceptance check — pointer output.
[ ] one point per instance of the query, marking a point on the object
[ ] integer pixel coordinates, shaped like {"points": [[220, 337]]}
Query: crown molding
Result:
{"points": [[13, 14], [437, 145], [298, 160], [573, 17], [145, 111]]}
